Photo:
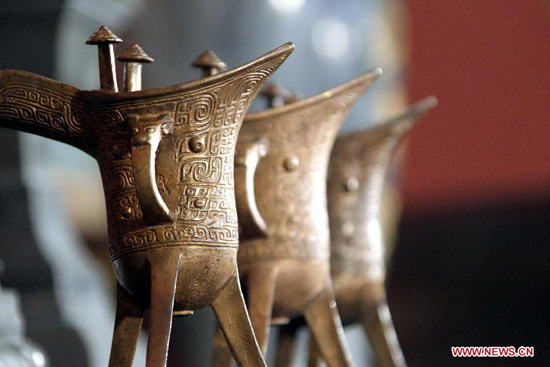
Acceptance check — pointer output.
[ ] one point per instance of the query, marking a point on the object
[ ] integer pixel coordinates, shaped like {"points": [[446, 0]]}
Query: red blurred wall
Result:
{"points": [[488, 62]]}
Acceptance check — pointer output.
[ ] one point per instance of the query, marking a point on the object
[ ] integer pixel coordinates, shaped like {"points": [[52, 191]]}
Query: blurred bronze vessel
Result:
{"points": [[166, 161], [284, 254], [357, 176]]}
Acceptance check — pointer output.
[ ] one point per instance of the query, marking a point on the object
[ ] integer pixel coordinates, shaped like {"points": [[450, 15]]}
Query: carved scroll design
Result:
{"points": [[44, 107], [197, 158], [196, 163]]}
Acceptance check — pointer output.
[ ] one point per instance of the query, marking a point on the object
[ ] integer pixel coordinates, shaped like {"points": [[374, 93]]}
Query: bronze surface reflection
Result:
{"points": [[286, 267], [357, 175], [166, 160]]}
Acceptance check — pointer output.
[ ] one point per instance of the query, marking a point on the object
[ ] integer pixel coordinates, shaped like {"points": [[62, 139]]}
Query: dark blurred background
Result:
{"points": [[470, 261]]}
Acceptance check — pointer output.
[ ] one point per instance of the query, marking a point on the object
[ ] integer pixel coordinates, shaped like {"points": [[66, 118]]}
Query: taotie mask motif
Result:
{"points": [[147, 132]]}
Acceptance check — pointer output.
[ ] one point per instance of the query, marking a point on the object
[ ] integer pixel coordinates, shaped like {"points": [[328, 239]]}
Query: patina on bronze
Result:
{"points": [[166, 159], [357, 174], [286, 270]]}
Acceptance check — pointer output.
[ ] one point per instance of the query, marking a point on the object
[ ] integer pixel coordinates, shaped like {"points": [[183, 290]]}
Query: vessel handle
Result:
{"points": [[247, 157], [145, 141]]}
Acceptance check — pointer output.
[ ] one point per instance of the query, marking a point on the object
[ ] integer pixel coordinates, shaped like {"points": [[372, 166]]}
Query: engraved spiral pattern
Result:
{"points": [[195, 180], [45, 110], [196, 164]]}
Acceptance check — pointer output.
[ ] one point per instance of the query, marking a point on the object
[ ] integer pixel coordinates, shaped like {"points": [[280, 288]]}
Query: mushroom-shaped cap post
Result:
{"points": [[210, 63], [104, 40], [276, 95], [134, 57]]}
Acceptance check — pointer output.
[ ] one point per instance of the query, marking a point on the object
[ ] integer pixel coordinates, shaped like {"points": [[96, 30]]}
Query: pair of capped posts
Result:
{"points": [[134, 57]]}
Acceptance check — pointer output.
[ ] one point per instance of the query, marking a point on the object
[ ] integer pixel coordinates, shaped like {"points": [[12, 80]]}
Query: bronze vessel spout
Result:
{"points": [[284, 262], [357, 174], [166, 160]]}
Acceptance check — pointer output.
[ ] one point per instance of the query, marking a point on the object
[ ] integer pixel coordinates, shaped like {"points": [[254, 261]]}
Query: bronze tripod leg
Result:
{"points": [[286, 343], [325, 325], [231, 312], [378, 324], [314, 357], [129, 316], [261, 290], [165, 265], [221, 354]]}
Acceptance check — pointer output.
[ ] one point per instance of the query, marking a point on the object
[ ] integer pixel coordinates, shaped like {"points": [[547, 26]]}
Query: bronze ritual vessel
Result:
{"points": [[166, 160], [286, 269], [357, 174]]}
